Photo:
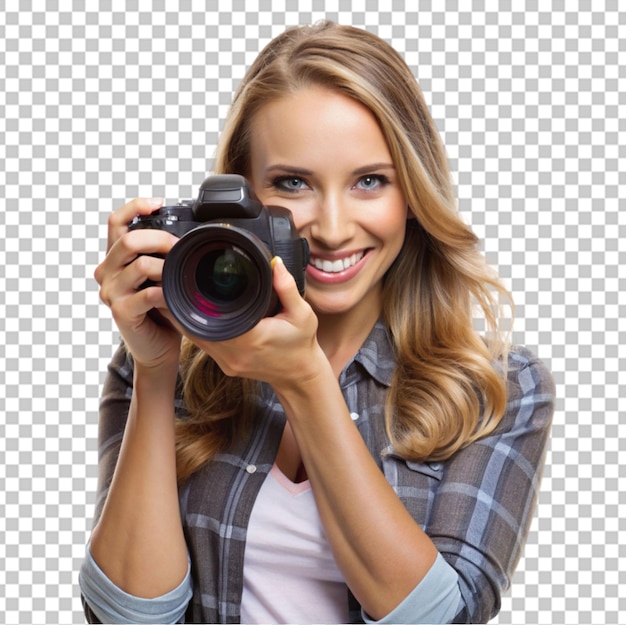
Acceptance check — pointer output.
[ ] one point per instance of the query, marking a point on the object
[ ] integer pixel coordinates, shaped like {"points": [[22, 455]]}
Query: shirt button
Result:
{"points": [[354, 416], [251, 468]]}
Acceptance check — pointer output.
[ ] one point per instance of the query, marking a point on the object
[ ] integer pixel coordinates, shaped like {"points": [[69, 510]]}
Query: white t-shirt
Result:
{"points": [[290, 574]]}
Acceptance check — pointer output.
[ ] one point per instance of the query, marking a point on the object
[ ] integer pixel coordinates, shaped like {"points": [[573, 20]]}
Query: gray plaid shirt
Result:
{"points": [[476, 507]]}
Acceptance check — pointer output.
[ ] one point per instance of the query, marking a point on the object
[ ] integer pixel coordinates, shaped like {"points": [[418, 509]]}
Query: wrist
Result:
{"points": [[305, 378], [313, 385], [160, 378]]}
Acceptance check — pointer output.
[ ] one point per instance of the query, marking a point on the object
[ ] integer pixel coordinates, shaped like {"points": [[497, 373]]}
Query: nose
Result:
{"points": [[332, 225]]}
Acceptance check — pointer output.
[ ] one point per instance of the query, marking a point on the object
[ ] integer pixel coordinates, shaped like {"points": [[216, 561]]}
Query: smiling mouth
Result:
{"points": [[336, 266]]}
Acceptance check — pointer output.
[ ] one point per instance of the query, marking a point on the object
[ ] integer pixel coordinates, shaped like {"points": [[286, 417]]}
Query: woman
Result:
{"points": [[362, 455]]}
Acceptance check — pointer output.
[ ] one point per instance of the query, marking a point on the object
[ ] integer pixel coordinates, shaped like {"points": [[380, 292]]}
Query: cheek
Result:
{"points": [[398, 238], [299, 214], [393, 225]]}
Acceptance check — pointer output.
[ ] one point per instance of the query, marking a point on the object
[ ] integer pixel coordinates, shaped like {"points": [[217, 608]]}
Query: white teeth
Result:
{"points": [[335, 266]]}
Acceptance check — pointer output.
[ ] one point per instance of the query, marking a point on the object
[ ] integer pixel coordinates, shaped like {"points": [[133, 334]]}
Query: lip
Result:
{"points": [[319, 275]]}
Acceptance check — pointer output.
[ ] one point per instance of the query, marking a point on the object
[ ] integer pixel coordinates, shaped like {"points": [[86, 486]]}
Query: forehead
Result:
{"points": [[316, 122]]}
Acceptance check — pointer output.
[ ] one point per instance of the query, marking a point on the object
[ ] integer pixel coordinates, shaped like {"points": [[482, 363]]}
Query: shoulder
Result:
{"points": [[527, 373], [530, 388]]}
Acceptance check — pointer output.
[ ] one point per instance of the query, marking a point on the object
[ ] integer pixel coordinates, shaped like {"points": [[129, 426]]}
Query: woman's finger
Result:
{"points": [[119, 219], [131, 278], [133, 245]]}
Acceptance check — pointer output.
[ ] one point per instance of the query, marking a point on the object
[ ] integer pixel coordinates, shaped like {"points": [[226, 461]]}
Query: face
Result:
{"points": [[323, 156]]}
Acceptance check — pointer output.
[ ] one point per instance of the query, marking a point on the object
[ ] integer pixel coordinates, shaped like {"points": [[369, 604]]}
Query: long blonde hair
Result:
{"points": [[447, 390]]}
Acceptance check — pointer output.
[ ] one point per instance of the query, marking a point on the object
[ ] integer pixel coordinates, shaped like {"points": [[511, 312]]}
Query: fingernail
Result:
{"points": [[276, 260], [155, 201]]}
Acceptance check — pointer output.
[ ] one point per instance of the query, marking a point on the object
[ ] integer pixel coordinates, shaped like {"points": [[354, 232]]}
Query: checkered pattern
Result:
{"points": [[98, 106]]}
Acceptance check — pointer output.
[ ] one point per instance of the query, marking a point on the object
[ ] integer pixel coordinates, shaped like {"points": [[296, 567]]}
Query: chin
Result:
{"points": [[324, 306], [346, 301]]}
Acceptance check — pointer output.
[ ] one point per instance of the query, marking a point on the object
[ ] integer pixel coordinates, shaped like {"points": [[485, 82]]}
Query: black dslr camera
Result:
{"points": [[217, 279]]}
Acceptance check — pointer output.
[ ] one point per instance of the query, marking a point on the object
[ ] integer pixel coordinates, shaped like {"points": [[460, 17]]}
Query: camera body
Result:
{"points": [[217, 279]]}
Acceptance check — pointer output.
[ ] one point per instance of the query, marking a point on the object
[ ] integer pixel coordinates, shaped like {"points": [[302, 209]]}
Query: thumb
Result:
{"points": [[284, 284]]}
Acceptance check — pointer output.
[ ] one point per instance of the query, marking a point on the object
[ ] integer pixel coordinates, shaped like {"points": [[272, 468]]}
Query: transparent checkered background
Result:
{"points": [[102, 104]]}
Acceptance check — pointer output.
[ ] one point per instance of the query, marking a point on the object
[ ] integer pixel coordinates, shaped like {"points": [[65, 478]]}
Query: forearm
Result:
{"points": [[138, 541], [381, 551]]}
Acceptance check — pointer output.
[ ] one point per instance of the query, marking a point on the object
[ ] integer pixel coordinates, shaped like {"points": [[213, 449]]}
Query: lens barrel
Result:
{"points": [[217, 281]]}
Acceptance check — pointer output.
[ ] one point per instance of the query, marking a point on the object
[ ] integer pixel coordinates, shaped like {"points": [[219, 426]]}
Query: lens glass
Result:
{"points": [[223, 275]]}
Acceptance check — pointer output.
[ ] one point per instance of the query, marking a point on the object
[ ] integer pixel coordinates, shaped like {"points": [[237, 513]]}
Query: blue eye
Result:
{"points": [[289, 183], [372, 182]]}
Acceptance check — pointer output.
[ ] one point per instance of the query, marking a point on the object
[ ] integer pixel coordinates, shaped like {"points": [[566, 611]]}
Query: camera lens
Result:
{"points": [[223, 275], [217, 281]]}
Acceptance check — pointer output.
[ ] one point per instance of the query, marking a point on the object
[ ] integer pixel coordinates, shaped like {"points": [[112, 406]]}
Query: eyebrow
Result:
{"points": [[373, 167], [288, 168], [299, 171]]}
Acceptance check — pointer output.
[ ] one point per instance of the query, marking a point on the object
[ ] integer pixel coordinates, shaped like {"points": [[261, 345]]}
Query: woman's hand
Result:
{"points": [[281, 350], [140, 314]]}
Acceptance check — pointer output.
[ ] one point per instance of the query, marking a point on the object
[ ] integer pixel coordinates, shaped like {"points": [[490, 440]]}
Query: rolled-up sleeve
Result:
{"points": [[111, 604], [434, 600]]}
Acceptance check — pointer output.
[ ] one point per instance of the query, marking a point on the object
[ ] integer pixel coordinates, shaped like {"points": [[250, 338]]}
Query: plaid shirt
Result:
{"points": [[476, 507]]}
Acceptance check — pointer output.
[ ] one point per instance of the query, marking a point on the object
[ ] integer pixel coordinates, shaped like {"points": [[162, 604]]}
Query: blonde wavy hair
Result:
{"points": [[447, 389]]}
